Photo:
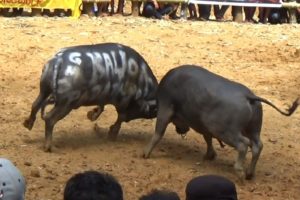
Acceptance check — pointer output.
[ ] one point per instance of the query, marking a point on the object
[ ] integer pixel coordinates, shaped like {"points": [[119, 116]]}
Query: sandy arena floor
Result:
{"points": [[265, 58]]}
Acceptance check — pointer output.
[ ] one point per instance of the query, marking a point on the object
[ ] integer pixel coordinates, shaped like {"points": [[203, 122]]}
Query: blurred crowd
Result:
{"points": [[262, 15], [34, 12], [162, 10]]}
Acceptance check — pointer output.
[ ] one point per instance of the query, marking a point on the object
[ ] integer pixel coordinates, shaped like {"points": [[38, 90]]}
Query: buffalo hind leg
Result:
{"points": [[253, 133], [164, 117], [241, 144], [256, 148], [242, 148], [57, 113], [37, 104]]}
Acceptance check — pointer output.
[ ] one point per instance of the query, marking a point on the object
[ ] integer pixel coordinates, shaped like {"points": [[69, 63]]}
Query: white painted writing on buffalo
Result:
{"points": [[122, 72]]}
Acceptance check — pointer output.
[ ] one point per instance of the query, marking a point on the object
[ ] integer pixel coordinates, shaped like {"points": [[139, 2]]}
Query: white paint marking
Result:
{"points": [[74, 57], [133, 67], [123, 58], [108, 63], [98, 65], [70, 71], [113, 54]]}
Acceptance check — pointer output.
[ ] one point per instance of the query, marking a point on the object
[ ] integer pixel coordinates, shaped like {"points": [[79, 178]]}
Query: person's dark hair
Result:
{"points": [[210, 187], [160, 195], [93, 185]]}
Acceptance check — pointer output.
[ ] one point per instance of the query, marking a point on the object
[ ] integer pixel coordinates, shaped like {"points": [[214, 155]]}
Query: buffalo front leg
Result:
{"points": [[115, 128], [164, 116], [210, 152], [122, 108], [57, 113]]}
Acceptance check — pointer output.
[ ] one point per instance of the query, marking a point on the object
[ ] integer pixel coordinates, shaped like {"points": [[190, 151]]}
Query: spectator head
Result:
{"points": [[160, 195], [93, 185], [210, 187], [12, 183], [275, 16]]}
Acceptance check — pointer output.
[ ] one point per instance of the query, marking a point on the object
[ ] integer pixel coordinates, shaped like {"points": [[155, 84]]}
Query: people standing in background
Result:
{"points": [[264, 12], [192, 11], [153, 9], [249, 14], [219, 12]]}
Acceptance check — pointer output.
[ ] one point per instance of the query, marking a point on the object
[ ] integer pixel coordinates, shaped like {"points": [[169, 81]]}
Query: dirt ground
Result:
{"points": [[265, 58]]}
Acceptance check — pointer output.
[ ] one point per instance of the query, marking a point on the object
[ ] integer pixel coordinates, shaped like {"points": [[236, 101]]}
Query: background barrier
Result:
{"points": [[73, 5], [244, 3]]}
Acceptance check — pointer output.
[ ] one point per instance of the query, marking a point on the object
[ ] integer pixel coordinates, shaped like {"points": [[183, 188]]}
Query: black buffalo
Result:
{"points": [[191, 96], [95, 75]]}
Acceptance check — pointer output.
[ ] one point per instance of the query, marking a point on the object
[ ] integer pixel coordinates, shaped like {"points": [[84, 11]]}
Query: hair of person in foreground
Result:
{"points": [[160, 195], [12, 182], [93, 185], [210, 187]]}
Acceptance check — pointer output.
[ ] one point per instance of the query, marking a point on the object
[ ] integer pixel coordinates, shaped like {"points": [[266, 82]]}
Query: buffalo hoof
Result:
{"points": [[249, 176], [241, 176], [145, 155], [47, 147], [28, 123], [240, 172], [112, 137], [113, 132], [92, 115], [210, 156]]}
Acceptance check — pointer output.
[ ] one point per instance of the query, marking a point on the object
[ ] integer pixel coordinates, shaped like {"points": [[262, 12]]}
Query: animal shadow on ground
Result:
{"points": [[80, 138], [188, 152], [191, 151]]}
